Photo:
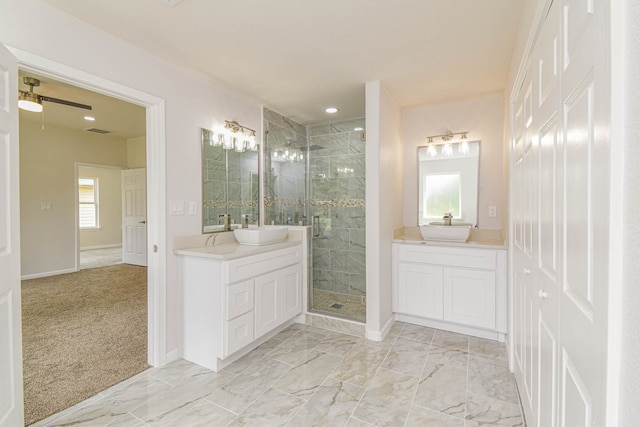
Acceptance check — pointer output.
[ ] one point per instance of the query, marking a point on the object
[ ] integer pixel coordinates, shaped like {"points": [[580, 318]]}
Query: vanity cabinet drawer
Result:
{"points": [[244, 268], [238, 333], [455, 257], [239, 298]]}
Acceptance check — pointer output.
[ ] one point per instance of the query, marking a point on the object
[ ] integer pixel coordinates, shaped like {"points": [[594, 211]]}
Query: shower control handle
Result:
{"points": [[316, 226]]}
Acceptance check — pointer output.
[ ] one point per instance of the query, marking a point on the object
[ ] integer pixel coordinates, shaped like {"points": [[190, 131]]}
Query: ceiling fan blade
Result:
{"points": [[64, 102]]}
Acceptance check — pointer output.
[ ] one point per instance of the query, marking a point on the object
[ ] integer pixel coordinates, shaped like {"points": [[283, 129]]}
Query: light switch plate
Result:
{"points": [[193, 208], [45, 206], [492, 211], [176, 207]]}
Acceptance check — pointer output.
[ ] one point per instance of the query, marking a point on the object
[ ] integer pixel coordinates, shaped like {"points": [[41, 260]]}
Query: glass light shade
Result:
{"points": [[463, 148], [447, 150], [431, 151], [239, 145], [252, 144], [30, 102]]}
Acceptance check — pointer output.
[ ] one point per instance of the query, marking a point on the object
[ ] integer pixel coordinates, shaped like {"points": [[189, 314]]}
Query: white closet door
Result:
{"points": [[585, 117], [560, 218], [11, 404]]}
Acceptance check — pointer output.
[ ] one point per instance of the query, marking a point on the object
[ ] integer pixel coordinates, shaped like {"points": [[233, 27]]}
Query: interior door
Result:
{"points": [[134, 216], [585, 116], [11, 399]]}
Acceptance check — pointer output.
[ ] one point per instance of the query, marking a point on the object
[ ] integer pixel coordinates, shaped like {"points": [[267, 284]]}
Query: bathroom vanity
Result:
{"points": [[460, 287], [237, 296]]}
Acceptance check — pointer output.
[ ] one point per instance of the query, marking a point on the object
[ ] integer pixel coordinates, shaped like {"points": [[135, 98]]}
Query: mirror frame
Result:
{"points": [[473, 222]]}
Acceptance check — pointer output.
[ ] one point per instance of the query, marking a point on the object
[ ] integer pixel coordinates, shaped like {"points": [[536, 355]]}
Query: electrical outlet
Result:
{"points": [[492, 211]]}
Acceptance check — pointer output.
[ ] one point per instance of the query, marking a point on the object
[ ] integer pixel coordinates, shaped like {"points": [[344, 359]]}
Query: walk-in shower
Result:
{"points": [[315, 176]]}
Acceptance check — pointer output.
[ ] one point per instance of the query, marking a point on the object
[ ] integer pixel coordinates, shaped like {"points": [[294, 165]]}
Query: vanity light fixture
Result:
{"points": [[447, 140], [235, 136]]}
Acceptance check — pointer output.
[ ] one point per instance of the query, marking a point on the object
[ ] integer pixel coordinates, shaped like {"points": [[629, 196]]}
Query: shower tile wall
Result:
{"points": [[243, 183], [214, 198], [285, 193], [230, 182], [337, 198]]}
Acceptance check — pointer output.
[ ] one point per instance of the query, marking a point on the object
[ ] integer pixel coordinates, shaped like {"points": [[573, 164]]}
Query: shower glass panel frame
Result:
{"points": [[315, 176]]}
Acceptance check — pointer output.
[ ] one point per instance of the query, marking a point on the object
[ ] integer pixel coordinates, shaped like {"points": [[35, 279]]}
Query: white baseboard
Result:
{"points": [[172, 355], [379, 335], [89, 248], [47, 274], [453, 327]]}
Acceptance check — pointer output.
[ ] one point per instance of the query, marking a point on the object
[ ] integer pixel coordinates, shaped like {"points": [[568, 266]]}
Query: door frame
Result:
{"points": [[156, 184]]}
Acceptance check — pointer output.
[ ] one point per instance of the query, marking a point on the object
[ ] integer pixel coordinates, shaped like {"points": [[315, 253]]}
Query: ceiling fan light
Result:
{"points": [[30, 102]]}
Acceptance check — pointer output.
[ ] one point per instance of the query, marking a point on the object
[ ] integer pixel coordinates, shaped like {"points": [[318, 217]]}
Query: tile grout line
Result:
{"points": [[415, 393]]}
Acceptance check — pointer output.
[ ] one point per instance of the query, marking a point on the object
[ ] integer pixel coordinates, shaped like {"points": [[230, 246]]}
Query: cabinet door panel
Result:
{"points": [[470, 297], [420, 290], [238, 333], [292, 292], [239, 298], [267, 303]]}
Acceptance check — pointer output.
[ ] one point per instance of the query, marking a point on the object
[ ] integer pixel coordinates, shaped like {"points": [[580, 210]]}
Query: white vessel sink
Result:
{"points": [[257, 236], [446, 233]]}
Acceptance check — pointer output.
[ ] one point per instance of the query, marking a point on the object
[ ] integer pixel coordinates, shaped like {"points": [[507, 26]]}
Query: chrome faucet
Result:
{"points": [[226, 221], [244, 222], [447, 218]]}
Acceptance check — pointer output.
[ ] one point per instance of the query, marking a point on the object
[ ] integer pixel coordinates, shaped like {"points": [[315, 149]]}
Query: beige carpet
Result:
{"points": [[82, 333]]}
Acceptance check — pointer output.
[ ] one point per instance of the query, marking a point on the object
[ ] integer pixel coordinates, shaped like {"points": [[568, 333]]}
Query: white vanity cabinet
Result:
{"points": [[229, 305], [462, 289]]}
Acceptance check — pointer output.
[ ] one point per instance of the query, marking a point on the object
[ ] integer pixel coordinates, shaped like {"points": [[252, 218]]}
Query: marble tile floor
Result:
{"points": [[307, 376], [92, 258]]}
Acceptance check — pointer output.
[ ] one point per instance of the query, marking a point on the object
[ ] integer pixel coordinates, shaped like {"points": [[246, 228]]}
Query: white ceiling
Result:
{"points": [[298, 57]]}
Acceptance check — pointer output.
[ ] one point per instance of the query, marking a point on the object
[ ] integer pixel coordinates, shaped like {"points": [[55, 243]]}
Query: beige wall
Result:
{"points": [[136, 153], [482, 116], [47, 175], [109, 234]]}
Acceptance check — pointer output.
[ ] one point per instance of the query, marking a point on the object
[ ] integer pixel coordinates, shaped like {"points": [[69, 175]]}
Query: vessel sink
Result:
{"points": [[257, 236], [457, 232]]}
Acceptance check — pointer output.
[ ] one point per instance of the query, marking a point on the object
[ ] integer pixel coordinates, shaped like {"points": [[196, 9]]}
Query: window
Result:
{"points": [[441, 195], [88, 202]]}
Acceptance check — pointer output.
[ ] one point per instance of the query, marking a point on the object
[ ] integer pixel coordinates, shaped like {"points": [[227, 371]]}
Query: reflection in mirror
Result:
{"points": [[448, 182], [229, 184]]}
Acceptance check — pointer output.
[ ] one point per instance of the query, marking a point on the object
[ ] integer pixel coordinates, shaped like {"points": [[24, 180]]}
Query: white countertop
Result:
{"points": [[480, 238], [228, 251]]}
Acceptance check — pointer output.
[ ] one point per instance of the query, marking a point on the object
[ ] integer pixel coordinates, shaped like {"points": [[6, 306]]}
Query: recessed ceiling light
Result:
{"points": [[90, 119], [358, 129], [331, 110]]}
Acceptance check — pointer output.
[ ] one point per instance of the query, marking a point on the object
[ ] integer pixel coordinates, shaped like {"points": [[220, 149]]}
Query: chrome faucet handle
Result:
{"points": [[226, 221], [245, 220]]}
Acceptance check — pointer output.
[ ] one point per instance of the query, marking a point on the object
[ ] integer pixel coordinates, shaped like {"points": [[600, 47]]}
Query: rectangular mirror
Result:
{"points": [[230, 184], [448, 182]]}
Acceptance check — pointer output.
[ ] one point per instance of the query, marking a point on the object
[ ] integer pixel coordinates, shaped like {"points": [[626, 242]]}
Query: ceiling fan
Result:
{"points": [[31, 101]]}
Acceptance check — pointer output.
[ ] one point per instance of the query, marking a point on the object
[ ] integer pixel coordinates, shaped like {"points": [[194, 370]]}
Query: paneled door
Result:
{"points": [[560, 198], [134, 216], [11, 399], [585, 117]]}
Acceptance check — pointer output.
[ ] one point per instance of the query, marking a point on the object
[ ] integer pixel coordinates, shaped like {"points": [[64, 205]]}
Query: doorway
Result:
{"points": [[92, 336], [155, 154]]}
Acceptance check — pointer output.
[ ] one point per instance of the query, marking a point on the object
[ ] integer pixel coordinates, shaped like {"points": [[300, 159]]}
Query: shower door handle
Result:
{"points": [[316, 226]]}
